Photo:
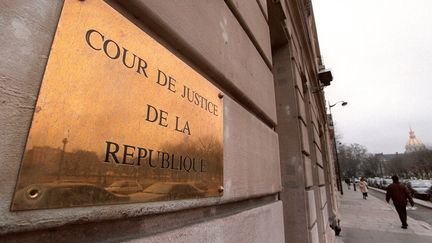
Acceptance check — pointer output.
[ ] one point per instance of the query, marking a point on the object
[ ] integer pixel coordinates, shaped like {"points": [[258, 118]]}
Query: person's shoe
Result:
{"points": [[404, 226]]}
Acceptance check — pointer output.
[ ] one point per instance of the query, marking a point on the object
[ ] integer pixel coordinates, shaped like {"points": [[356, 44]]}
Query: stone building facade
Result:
{"points": [[279, 176]]}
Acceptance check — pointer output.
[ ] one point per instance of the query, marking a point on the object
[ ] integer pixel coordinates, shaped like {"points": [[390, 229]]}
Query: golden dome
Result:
{"points": [[413, 144]]}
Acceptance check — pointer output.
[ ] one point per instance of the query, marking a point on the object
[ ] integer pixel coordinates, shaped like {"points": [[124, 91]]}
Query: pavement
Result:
{"points": [[372, 220]]}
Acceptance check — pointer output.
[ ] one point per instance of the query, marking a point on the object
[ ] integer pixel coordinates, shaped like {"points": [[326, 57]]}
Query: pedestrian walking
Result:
{"points": [[363, 187], [348, 182], [399, 194]]}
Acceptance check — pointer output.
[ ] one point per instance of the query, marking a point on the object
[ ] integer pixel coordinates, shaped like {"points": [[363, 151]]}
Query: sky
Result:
{"points": [[380, 54]]}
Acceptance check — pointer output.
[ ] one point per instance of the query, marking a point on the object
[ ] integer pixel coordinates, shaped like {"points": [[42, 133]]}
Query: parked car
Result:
{"points": [[404, 181], [125, 187], [371, 181], [168, 191], [356, 180], [63, 194], [420, 188], [384, 183]]}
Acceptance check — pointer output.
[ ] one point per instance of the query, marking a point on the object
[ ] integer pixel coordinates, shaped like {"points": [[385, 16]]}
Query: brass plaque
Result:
{"points": [[119, 119]]}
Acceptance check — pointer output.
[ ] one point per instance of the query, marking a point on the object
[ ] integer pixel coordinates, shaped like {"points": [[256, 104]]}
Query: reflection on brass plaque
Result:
{"points": [[119, 119]]}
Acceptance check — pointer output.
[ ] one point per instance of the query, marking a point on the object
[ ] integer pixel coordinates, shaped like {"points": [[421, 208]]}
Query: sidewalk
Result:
{"points": [[372, 220]]}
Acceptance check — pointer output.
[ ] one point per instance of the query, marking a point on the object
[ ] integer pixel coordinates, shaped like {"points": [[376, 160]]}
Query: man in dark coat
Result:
{"points": [[348, 182], [399, 194]]}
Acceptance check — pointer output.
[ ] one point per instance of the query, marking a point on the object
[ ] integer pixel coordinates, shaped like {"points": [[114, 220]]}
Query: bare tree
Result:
{"points": [[416, 164], [369, 167], [351, 158]]}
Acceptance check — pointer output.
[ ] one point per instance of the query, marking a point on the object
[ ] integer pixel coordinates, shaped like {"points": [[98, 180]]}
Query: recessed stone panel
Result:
{"points": [[325, 216], [308, 171], [262, 224], [313, 233], [263, 6], [321, 176], [253, 149], [301, 107], [317, 139], [298, 80], [311, 207], [319, 158], [323, 195], [305, 139], [216, 41], [251, 13]]}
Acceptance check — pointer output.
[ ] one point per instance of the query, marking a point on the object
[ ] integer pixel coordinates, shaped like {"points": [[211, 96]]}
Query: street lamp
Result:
{"points": [[344, 103], [339, 180]]}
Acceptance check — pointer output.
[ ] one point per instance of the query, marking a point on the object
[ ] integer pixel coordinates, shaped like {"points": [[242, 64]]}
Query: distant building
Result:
{"points": [[413, 144]]}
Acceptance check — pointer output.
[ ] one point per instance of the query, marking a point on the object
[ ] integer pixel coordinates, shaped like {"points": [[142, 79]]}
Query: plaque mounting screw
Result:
{"points": [[220, 95], [221, 189], [33, 193]]}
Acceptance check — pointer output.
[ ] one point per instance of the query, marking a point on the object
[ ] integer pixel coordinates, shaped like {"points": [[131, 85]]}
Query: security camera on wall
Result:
{"points": [[325, 76]]}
